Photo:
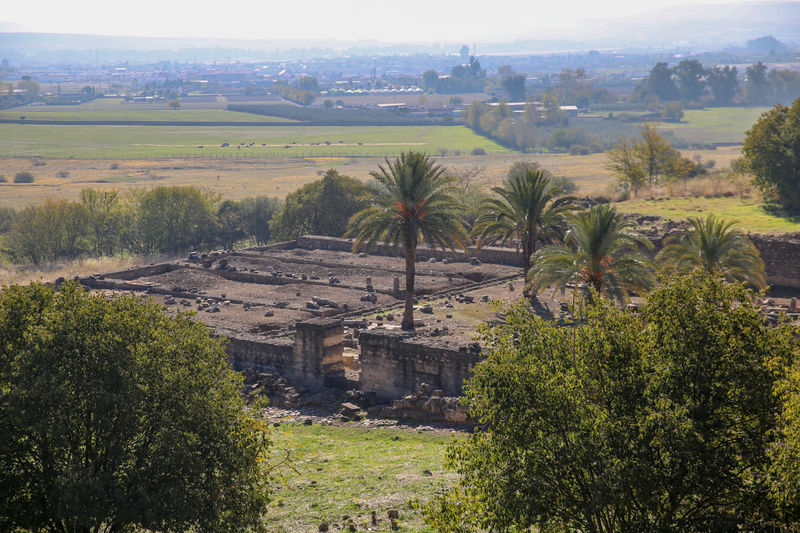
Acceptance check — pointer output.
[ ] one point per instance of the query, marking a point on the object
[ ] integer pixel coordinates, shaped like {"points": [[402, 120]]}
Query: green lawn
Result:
{"points": [[750, 214], [348, 471], [131, 142], [715, 124]]}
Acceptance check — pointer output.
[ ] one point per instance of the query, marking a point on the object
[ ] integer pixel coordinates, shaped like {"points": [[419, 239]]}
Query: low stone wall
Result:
{"points": [[264, 355], [143, 271], [394, 364], [781, 257], [488, 254], [781, 254]]}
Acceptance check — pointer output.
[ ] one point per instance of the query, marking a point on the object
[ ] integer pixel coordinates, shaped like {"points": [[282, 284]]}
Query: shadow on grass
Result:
{"points": [[779, 211]]}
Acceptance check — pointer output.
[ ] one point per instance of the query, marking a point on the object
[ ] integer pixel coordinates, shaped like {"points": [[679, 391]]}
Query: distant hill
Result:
{"points": [[698, 26]]}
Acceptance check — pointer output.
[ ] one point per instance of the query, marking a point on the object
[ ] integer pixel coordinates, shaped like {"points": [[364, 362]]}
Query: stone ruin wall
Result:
{"points": [[781, 254]]}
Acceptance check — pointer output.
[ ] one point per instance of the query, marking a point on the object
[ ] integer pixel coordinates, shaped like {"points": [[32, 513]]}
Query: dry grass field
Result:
{"points": [[239, 178]]}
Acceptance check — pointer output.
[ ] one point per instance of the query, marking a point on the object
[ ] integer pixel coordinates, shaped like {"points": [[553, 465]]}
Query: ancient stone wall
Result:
{"points": [[781, 257], [313, 357], [264, 355], [781, 254], [394, 364], [143, 271], [488, 254]]}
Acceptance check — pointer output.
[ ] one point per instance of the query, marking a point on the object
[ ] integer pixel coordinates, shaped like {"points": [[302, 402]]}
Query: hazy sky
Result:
{"points": [[405, 21]]}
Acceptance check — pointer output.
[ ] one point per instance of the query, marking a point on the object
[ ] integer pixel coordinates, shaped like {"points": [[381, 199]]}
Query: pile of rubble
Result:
{"points": [[276, 388], [428, 405]]}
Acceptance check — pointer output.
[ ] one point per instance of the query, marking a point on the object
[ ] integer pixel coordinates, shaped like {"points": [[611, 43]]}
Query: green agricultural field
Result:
{"points": [[750, 214], [140, 142], [347, 471], [126, 113], [715, 124]]}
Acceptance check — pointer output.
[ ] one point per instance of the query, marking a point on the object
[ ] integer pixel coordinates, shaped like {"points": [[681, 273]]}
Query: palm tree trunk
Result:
{"points": [[408, 313], [528, 247]]}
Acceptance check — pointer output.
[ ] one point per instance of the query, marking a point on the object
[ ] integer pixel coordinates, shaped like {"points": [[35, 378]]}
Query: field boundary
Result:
{"points": [[51, 122]]}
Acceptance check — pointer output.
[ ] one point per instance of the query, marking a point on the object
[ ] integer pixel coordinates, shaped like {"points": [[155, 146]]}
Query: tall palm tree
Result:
{"points": [[715, 246], [601, 251], [527, 208], [412, 201]]}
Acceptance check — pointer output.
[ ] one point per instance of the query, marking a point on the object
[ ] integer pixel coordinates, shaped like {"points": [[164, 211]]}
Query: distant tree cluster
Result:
{"points": [[293, 93], [165, 220], [649, 159], [690, 81], [462, 79], [322, 207], [518, 130]]}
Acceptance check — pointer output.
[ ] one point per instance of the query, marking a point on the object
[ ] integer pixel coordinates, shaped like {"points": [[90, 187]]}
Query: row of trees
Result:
{"points": [[165, 220], [689, 80], [518, 130]]}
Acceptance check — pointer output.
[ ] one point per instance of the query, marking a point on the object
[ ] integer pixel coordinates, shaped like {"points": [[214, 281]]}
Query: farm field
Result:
{"points": [[714, 124], [131, 142], [237, 178], [127, 114], [350, 471], [750, 213]]}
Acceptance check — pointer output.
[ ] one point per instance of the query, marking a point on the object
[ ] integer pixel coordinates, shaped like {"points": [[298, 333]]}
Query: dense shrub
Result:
{"points": [[23, 177]]}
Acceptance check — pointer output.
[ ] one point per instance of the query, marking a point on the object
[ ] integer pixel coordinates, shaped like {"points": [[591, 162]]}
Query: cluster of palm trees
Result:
{"points": [[562, 245]]}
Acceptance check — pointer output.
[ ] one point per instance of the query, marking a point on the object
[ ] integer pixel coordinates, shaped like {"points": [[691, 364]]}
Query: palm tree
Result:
{"points": [[527, 208], [715, 246], [600, 251], [412, 201]]}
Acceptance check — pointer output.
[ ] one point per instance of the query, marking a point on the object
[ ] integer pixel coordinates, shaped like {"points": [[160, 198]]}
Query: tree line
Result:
{"points": [[163, 220], [690, 81]]}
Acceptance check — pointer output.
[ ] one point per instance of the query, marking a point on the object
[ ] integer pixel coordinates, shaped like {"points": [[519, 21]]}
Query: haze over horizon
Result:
{"points": [[415, 21]]}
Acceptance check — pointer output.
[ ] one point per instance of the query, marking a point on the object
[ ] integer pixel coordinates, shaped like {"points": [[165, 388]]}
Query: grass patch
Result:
{"points": [[715, 124], [125, 142], [752, 215], [349, 471]]}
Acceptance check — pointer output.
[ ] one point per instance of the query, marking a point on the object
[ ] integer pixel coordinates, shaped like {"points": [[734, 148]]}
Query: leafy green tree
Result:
{"points": [[672, 111], [430, 79], [322, 207], [56, 229], [624, 162], [772, 152], [257, 212], [230, 227], [714, 246], [104, 219], [515, 86], [660, 420], [691, 79], [723, 83], [169, 219], [413, 200], [308, 83], [660, 82], [117, 417], [655, 152], [756, 86], [784, 85], [600, 253], [528, 208]]}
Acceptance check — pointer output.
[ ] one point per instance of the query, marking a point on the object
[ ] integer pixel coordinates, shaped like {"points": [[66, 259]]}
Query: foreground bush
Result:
{"points": [[115, 417], [658, 421]]}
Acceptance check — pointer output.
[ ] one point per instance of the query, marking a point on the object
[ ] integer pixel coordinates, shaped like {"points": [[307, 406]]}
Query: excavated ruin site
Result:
{"points": [[310, 315]]}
